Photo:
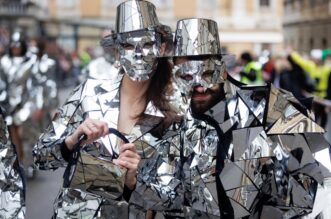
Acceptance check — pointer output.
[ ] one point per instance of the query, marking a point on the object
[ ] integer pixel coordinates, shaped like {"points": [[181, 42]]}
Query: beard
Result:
{"points": [[213, 96]]}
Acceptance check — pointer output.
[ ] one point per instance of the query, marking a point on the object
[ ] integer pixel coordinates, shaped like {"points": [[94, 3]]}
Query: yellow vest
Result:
{"points": [[320, 74], [252, 65]]}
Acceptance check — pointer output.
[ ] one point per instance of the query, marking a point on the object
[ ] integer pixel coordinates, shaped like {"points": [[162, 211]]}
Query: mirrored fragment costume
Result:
{"points": [[12, 204], [27, 84], [250, 155], [262, 172], [96, 99], [99, 99], [159, 186]]}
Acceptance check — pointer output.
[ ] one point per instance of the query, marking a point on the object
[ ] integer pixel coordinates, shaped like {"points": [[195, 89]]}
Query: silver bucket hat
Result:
{"points": [[135, 15], [141, 39], [196, 36]]}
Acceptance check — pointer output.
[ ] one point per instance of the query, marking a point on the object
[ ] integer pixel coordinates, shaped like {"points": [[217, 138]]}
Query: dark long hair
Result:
{"points": [[160, 89]]}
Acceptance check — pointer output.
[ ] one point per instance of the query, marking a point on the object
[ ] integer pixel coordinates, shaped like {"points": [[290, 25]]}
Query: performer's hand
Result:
{"points": [[92, 128], [129, 159]]}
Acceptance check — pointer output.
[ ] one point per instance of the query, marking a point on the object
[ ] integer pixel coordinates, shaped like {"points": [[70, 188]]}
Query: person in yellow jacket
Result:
{"points": [[316, 69], [252, 71], [320, 73]]}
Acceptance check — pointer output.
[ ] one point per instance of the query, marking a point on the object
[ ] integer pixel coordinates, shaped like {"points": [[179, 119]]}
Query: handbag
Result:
{"points": [[94, 174]]}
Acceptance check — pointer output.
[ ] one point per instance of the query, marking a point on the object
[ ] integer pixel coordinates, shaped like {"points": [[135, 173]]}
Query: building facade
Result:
{"points": [[252, 25], [307, 24]]}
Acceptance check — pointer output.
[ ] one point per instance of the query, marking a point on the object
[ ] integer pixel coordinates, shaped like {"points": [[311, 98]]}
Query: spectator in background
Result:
{"points": [[4, 40], [106, 66], [65, 66], [267, 69], [320, 73], [251, 72], [287, 76], [85, 58]]}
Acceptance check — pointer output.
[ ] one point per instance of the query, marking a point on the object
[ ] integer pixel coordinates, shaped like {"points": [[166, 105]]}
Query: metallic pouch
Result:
{"points": [[95, 175]]}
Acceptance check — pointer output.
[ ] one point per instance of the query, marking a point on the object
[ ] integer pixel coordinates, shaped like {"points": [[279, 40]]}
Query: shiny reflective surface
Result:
{"points": [[141, 39], [258, 165], [11, 182], [206, 73], [95, 182], [197, 37], [250, 154], [139, 51], [27, 84], [135, 15]]}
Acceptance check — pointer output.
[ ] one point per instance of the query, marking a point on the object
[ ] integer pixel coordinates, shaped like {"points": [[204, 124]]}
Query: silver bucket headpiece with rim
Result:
{"points": [[135, 15], [196, 36]]}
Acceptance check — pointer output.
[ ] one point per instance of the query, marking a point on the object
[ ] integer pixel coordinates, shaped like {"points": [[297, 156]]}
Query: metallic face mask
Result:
{"points": [[139, 51], [206, 73]]}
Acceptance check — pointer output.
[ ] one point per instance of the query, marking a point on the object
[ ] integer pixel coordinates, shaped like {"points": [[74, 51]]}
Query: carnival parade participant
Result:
{"points": [[101, 170], [12, 191], [105, 67], [27, 89], [246, 151]]}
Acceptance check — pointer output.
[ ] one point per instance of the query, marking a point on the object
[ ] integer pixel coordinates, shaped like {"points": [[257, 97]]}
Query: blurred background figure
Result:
{"points": [[320, 74], [288, 75], [251, 72], [13, 74], [107, 65], [4, 40], [267, 62], [12, 186], [42, 87], [28, 93]]}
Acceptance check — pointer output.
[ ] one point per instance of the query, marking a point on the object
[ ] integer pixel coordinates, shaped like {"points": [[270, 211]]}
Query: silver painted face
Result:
{"points": [[139, 51], [207, 73]]}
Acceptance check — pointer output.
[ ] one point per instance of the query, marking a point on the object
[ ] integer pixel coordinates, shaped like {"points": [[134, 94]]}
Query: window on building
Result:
{"points": [[312, 3], [207, 4], [265, 3], [311, 43], [324, 43], [67, 3]]}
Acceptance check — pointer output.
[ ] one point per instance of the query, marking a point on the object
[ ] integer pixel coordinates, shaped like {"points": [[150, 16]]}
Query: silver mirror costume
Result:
{"points": [[11, 181], [27, 84], [141, 38], [94, 189], [97, 99], [250, 155]]}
